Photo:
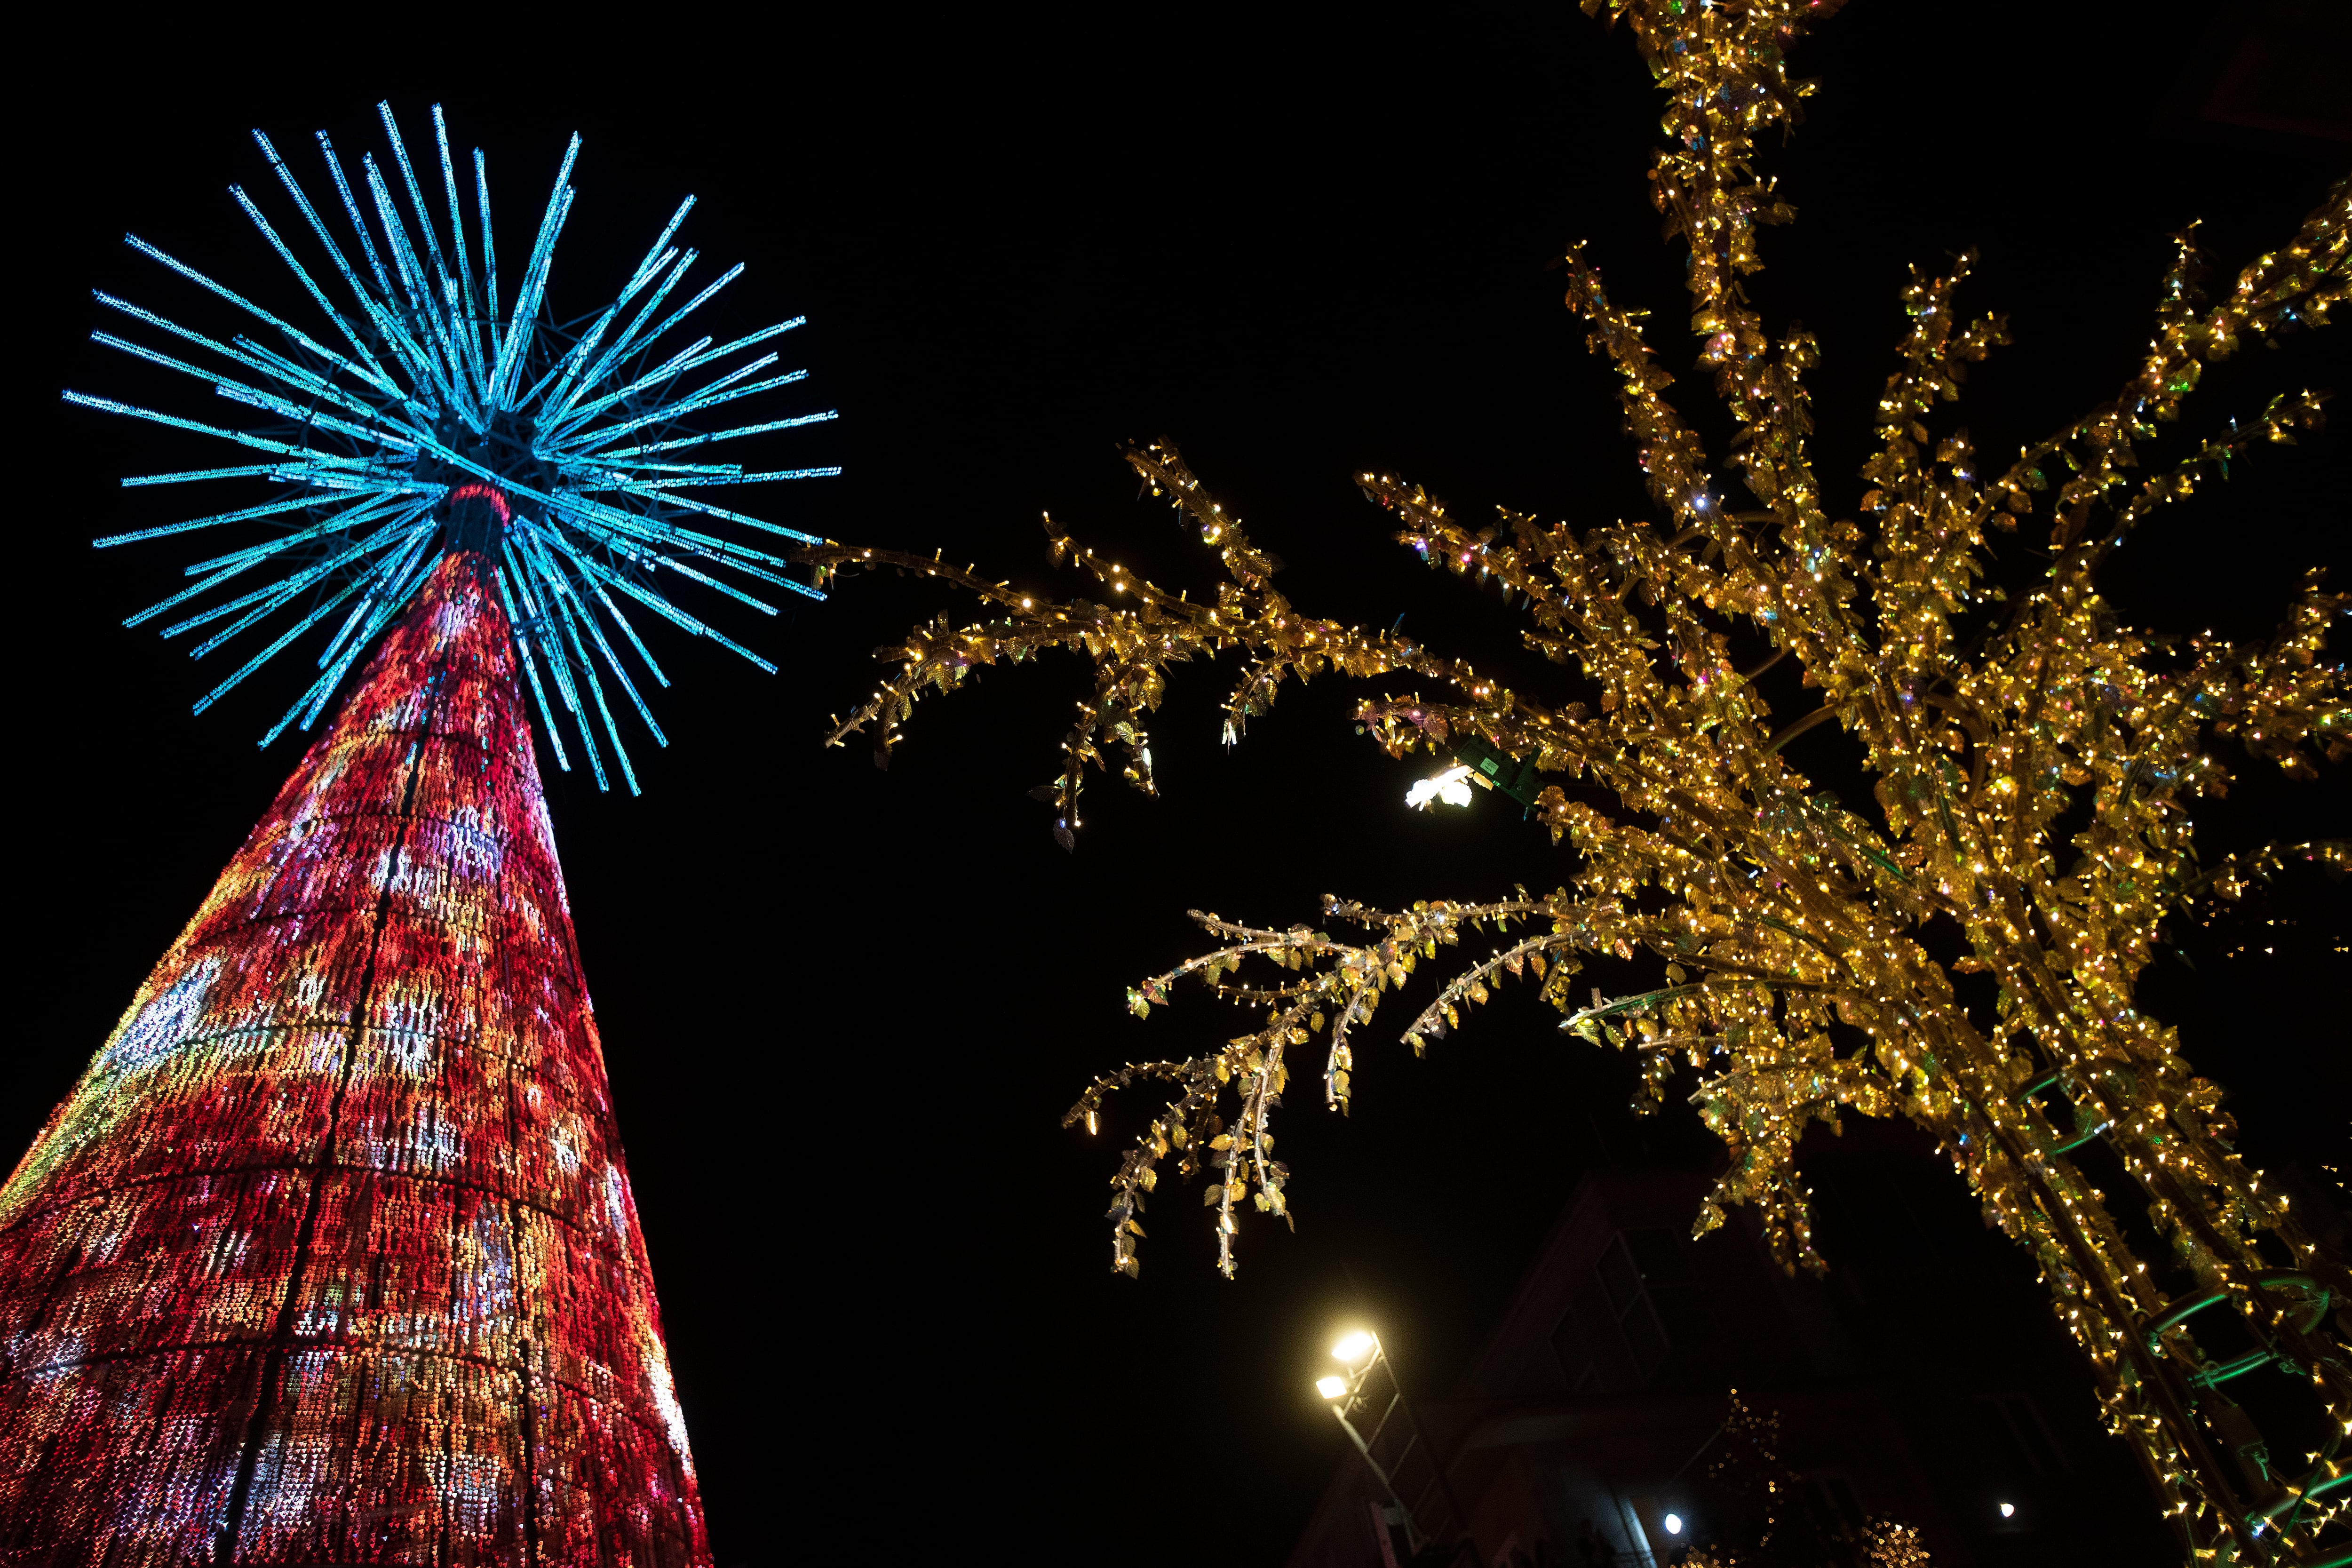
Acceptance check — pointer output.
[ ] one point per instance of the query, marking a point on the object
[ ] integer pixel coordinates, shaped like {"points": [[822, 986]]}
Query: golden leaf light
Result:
{"points": [[1778, 908]]}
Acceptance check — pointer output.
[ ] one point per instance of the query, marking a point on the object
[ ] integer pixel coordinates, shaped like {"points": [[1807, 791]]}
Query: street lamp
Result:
{"points": [[1368, 1389], [1359, 1352]]}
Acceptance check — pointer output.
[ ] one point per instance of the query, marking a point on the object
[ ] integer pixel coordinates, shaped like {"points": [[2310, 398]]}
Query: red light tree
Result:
{"points": [[330, 1255]]}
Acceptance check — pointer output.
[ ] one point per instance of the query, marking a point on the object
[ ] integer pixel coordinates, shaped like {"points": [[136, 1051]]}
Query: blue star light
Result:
{"points": [[439, 415]]}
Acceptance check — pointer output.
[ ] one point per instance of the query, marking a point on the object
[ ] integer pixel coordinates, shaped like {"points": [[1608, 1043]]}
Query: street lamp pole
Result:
{"points": [[1354, 1395]]}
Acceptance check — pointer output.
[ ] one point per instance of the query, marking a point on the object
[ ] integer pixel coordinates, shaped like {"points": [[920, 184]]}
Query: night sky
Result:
{"points": [[844, 1009]]}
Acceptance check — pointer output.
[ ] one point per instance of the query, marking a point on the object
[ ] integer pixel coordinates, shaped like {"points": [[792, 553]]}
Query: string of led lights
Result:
{"points": [[431, 411], [332, 1253], [1815, 952]]}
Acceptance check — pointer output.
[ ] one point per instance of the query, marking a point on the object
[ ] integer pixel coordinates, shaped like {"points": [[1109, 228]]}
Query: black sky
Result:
{"points": [[844, 1009]]}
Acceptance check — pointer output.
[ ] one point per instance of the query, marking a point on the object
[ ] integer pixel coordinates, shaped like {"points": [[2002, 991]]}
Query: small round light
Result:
{"points": [[2008, 1510], [1354, 1348], [1332, 1387], [1673, 1524]]}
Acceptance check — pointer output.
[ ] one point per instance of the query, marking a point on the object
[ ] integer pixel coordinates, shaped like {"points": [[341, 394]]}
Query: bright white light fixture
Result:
{"points": [[1673, 1524], [1354, 1348], [2008, 1510], [1332, 1387], [1452, 786]]}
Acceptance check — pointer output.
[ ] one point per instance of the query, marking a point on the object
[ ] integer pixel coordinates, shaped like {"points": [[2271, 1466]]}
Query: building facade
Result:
{"points": [[1923, 1382]]}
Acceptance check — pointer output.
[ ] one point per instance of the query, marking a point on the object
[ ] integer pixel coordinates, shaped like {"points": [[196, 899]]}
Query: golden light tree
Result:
{"points": [[1779, 909]]}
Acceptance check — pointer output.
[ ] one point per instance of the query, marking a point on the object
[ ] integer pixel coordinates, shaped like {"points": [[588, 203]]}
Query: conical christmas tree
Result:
{"points": [[330, 1255]]}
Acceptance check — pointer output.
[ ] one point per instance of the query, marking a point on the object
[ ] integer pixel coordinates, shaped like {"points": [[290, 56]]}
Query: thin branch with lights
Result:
{"points": [[1781, 911]]}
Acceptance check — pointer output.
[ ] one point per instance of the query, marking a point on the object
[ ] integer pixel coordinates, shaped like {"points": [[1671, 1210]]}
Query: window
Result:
{"points": [[1615, 1333], [1835, 1501], [1590, 1350], [1647, 1273], [2015, 1436], [1567, 1344], [1620, 1276], [1660, 1256], [1646, 1336]]}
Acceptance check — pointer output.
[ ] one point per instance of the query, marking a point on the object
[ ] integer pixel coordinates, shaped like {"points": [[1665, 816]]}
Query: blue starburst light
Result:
{"points": [[430, 413]]}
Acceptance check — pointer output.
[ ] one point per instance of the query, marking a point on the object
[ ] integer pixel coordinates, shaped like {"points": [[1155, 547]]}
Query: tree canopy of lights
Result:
{"points": [[1779, 908]]}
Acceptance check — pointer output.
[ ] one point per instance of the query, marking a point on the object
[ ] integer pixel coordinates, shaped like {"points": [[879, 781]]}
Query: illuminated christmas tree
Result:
{"points": [[331, 1255], [2028, 760]]}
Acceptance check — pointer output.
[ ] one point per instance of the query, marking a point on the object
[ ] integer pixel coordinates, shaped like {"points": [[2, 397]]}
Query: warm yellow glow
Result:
{"points": [[1354, 1348], [1452, 786], [2033, 773], [1332, 1387]]}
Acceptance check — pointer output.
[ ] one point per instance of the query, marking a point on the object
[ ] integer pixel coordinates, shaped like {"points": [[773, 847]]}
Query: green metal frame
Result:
{"points": [[1497, 770]]}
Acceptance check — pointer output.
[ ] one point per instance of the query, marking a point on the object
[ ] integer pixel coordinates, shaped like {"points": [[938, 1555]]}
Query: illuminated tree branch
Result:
{"points": [[1812, 947]]}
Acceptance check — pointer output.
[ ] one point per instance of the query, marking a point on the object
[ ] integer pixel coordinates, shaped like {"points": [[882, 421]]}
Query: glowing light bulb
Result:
{"points": [[1673, 1524], [1354, 1348], [2008, 1510], [1332, 1387], [1451, 786]]}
